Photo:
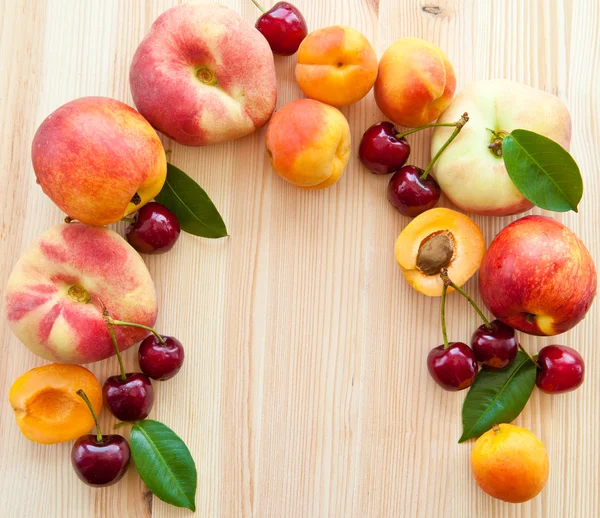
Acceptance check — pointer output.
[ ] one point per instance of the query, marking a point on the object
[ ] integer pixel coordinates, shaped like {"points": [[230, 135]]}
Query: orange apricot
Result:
{"points": [[439, 238], [47, 407], [336, 65], [510, 463]]}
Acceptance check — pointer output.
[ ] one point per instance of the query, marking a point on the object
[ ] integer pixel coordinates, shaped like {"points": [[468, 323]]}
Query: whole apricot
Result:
{"points": [[47, 407], [439, 239], [510, 463]]}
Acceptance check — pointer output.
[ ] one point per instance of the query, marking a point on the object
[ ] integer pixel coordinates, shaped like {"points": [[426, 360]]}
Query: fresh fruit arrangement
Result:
{"points": [[81, 293]]}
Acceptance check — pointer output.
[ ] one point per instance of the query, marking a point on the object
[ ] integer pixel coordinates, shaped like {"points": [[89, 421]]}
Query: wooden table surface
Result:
{"points": [[305, 391]]}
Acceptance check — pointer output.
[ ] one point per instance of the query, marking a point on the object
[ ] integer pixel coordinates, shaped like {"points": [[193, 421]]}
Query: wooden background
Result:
{"points": [[305, 391]]}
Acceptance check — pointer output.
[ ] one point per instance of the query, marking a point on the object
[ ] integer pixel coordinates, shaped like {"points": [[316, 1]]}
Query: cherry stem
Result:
{"points": [[109, 323], [124, 423], [128, 220], [529, 356], [432, 125], [443, 314], [448, 281], [258, 5], [83, 396], [459, 124], [141, 326]]}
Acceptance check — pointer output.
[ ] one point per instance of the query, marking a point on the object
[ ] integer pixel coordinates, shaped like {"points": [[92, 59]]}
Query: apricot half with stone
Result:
{"points": [[47, 407], [437, 239]]}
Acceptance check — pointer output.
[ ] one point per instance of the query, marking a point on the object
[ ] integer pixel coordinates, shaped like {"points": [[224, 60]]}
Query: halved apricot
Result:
{"points": [[47, 407], [439, 238]]}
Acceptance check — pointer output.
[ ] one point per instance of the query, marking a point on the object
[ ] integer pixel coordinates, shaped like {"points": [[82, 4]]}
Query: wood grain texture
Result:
{"points": [[305, 392]]}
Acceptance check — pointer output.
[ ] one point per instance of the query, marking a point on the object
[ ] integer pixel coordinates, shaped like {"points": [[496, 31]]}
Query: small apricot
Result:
{"points": [[510, 463], [436, 239], [47, 407]]}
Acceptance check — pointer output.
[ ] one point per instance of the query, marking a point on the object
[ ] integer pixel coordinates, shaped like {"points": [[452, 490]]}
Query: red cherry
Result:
{"points": [[494, 346], [129, 399], [155, 229], [160, 361], [561, 369], [380, 151], [409, 194], [100, 463], [453, 368], [283, 26]]}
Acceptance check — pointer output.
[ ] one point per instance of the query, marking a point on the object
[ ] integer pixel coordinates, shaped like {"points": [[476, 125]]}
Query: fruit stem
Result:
{"points": [[114, 341], [128, 220], [529, 356], [124, 423], [443, 314], [459, 124], [258, 5], [432, 125], [141, 326], [448, 281], [496, 428], [83, 396]]}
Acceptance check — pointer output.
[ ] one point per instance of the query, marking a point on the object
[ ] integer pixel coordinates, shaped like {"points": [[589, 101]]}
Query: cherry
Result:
{"points": [[381, 151], [283, 26], [160, 361], [99, 460], [410, 194], [155, 229], [129, 398], [561, 369], [494, 345], [453, 367]]}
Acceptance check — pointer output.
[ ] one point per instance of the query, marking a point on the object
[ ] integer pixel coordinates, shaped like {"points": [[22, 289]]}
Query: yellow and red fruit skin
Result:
{"points": [[538, 277]]}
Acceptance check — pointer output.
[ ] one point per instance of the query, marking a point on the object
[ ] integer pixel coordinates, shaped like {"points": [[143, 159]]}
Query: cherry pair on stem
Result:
{"points": [[383, 150], [454, 365]]}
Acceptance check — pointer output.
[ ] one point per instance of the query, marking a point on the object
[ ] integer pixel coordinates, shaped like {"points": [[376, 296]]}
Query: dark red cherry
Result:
{"points": [[100, 463], [283, 26], [495, 346], [409, 194], [160, 361], [453, 368], [155, 229], [380, 151], [561, 369], [129, 399]]}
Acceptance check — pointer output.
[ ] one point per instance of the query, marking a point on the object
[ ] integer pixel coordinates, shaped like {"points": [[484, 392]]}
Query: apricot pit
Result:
{"points": [[439, 240]]}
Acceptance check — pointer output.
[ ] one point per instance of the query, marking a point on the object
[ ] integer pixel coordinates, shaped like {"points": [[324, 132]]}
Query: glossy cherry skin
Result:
{"points": [[158, 361], [454, 368], [561, 369], [494, 347], [130, 399], [101, 463], [410, 195], [284, 28], [155, 229], [380, 151]]}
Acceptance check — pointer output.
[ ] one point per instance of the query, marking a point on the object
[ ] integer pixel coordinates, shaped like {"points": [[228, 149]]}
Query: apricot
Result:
{"points": [[308, 143], [336, 65], [510, 463], [415, 82], [439, 238], [47, 407]]}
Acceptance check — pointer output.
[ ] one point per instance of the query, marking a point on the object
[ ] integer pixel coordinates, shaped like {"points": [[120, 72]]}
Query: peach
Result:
{"points": [[98, 160], [336, 65], [439, 238], [308, 143], [538, 277], [47, 407], [56, 290], [510, 463], [203, 75], [415, 83], [470, 174]]}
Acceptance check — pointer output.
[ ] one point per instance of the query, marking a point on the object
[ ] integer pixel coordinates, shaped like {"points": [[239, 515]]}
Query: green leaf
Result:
{"points": [[542, 170], [164, 463], [195, 211], [497, 396]]}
